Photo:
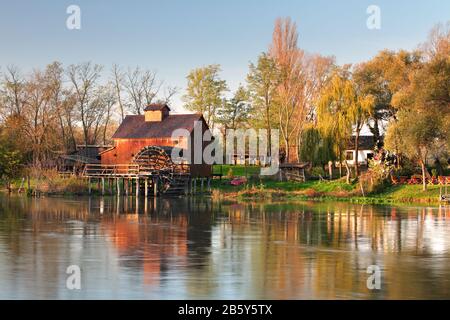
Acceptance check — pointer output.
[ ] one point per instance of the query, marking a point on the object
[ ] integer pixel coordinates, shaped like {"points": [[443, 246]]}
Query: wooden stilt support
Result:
{"points": [[125, 186], [146, 187], [195, 186], [89, 186], [155, 187], [209, 184], [137, 205], [103, 186], [146, 205], [137, 187], [201, 184], [118, 186], [186, 187]]}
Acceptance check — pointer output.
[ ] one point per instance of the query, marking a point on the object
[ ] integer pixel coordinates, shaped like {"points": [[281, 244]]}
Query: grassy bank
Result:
{"points": [[324, 190], [50, 183]]}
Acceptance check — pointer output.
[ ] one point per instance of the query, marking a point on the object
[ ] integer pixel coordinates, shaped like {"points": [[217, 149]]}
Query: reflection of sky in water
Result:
{"points": [[193, 248]]}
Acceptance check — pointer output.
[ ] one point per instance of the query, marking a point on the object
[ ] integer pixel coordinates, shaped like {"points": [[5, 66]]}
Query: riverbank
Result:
{"points": [[336, 190], [256, 189]]}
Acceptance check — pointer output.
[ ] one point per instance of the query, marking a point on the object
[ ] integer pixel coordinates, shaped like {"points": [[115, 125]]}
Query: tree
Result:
{"points": [[417, 135], [40, 116], [118, 80], [83, 78], [205, 92], [288, 58], [317, 148], [142, 88], [427, 97], [235, 112], [263, 81], [342, 109], [10, 165], [301, 78], [109, 100], [13, 91], [56, 94], [169, 93], [383, 77]]}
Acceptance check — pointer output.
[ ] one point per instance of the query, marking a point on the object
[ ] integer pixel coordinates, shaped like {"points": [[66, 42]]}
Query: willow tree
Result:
{"points": [[317, 148], [341, 110]]}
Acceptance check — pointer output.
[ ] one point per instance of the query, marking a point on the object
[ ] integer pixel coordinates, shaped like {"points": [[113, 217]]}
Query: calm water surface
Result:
{"points": [[199, 248]]}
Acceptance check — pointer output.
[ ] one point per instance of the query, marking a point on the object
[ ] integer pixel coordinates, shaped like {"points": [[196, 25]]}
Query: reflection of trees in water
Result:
{"points": [[264, 250], [326, 248]]}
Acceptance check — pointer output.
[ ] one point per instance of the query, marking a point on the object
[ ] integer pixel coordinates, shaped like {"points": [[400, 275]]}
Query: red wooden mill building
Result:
{"points": [[142, 152]]}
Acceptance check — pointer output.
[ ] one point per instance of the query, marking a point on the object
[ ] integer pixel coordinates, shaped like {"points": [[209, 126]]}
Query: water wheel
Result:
{"points": [[156, 161]]}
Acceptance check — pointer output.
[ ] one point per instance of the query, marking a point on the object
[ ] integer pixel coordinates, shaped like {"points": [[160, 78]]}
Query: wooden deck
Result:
{"points": [[130, 171], [172, 180]]}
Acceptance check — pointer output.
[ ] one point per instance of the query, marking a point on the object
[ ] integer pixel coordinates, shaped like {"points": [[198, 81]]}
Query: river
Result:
{"points": [[197, 248]]}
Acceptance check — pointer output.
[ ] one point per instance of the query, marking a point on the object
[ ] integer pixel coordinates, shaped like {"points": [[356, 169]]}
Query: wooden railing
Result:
{"points": [[105, 170], [128, 170]]}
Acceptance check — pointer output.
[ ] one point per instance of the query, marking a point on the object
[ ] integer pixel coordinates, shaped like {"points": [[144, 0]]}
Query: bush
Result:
{"points": [[372, 182], [50, 182], [434, 173], [377, 178], [407, 169], [317, 172]]}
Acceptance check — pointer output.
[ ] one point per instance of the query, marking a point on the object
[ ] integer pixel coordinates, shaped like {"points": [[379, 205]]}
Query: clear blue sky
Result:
{"points": [[175, 36]]}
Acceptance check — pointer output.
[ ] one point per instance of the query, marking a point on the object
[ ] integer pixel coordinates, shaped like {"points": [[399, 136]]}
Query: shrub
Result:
{"points": [[434, 173], [318, 172], [50, 182], [377, 178]]}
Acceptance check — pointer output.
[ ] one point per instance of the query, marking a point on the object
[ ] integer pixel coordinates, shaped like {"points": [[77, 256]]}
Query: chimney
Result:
{"points": [[156, 112]]}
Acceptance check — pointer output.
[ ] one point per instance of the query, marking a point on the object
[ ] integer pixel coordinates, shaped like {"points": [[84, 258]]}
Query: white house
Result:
{"points": [[366, 148]]}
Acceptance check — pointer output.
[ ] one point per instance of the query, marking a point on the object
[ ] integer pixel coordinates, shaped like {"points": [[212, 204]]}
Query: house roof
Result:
{"points": [[156, 107], [92, 151], [365, 143], [135, 126]]}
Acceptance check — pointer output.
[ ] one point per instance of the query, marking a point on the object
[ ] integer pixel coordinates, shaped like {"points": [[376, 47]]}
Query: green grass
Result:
{"points": [[326, 190], [238, 170], [412, 193], [288, 186]]}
